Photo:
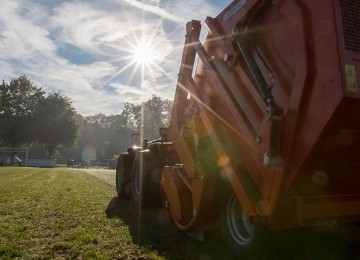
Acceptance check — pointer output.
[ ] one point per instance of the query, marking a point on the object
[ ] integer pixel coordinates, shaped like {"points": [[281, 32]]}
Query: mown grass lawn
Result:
{"points": [[69, 214]]}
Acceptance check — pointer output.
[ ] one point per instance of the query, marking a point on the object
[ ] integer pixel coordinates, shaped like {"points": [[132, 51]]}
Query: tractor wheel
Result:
{"points": [[153, 187], [244, 239], [122, 179], [145, 184]]}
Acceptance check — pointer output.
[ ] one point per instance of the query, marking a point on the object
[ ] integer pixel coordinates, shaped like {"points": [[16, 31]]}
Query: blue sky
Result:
{"points": [[100, 54]]}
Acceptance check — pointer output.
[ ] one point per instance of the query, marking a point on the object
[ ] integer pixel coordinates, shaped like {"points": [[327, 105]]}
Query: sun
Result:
{"points": [[145, 54], [141, 55]]}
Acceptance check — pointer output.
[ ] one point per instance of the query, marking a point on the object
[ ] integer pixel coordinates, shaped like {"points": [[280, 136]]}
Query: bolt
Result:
{"points": [[268, 114], [258, 139], [194, 212], [266, 160], [273, 161]]}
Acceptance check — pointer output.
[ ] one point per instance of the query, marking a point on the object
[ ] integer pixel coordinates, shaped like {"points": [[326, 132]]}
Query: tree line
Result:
{"points": [[50, 127]]}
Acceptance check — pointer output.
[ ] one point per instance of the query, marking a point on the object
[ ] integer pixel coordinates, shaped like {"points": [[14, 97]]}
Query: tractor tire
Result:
{"points": [[145, 186], [122, 179], [245, 240], [153, 192]]}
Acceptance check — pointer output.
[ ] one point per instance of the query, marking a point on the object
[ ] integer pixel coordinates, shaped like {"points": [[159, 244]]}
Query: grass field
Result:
{"points": [[72, 214], [61, 213]]}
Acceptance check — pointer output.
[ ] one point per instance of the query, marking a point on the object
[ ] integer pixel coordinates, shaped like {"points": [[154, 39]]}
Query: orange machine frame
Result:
{"points": [[275, 96]]}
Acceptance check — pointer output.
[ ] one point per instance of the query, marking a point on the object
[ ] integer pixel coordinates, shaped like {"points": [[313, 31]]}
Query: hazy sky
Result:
{"points": [[100, 54]]}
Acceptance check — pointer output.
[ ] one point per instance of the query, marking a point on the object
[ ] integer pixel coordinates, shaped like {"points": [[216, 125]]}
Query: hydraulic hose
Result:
{"points": [[242, 41]]}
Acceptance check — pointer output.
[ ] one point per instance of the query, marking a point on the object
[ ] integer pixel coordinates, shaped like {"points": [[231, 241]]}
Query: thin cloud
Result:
{"points": [[87, 27], [21, 39], [154, 10]]}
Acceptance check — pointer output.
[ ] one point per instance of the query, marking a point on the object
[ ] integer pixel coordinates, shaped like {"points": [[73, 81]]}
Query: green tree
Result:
{"points": [[18, 100], [106, 135], [103, 136], [149, 116], [93, 137], [156, 114], [131, 113], [56, 123]]}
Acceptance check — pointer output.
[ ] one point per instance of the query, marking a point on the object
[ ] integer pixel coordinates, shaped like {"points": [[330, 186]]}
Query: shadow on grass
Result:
{"points": [[154, 229]]}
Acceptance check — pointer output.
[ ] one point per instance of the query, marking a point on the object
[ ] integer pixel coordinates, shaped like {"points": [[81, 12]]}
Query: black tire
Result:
{"points": [[122, 179], [145, 186], [153, 193], [245, 240]]}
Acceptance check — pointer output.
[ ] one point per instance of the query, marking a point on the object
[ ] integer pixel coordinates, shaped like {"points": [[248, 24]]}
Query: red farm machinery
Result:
{"points": [[265, 129]]}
